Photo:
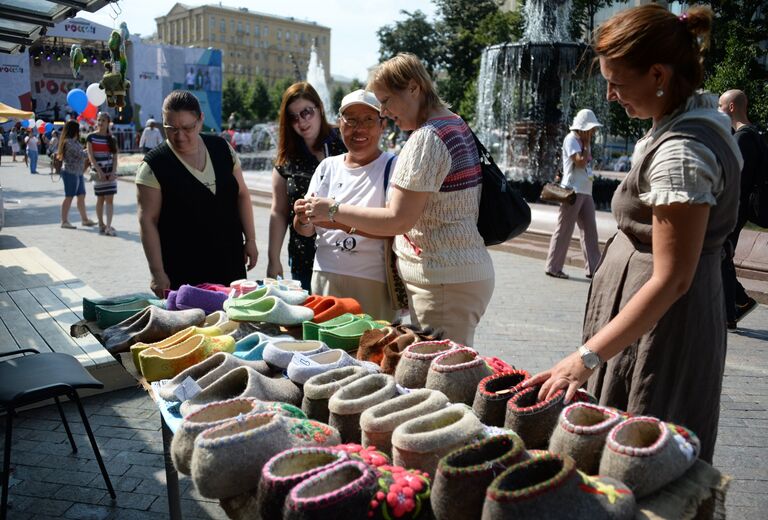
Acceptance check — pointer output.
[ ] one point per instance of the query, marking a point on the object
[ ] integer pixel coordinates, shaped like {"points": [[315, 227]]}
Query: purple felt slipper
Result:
{"points": [[190, 297]]}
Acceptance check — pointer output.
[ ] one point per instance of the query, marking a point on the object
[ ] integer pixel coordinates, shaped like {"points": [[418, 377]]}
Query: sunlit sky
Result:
{"points": [[354, 45]]}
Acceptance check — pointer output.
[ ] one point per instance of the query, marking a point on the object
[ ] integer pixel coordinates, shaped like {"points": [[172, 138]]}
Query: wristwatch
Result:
{"points": [[333, 210], [589, 358]]}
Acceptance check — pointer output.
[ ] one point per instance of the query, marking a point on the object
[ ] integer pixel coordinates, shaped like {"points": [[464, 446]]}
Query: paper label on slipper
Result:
{"points": [[187, 389], [402, 390], [303, 360]]}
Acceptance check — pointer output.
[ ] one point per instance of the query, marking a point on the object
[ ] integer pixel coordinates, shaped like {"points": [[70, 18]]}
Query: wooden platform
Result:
{"points": [[39, 301]]}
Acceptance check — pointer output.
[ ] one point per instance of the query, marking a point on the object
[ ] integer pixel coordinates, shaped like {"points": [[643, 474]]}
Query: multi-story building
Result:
{"points": [[252, 43]]}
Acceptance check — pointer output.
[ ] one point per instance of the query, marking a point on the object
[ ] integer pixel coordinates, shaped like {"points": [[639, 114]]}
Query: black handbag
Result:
{"points": [[504, 214]]}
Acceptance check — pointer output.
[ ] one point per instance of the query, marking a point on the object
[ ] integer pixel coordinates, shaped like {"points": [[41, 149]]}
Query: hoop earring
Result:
{"points": [[659, 93]]}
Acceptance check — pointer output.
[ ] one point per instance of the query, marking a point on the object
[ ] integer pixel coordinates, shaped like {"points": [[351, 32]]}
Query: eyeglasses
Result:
{"points": [[306, 114], [368, 122], [172, 130]]}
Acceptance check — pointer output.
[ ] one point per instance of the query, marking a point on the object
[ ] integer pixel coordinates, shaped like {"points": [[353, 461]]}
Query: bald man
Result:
{"points": [[733, 103]]}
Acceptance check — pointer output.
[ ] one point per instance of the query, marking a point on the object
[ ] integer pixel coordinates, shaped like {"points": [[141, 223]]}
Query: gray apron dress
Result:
{"points": [[675, 370]]}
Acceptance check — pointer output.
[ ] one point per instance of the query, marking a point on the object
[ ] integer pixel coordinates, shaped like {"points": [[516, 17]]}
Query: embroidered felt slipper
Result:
{"points": [[108, 315], [157, 364], [347, 337], [191, 297], [89, 304], [225, 329], [215, 414], [227, 459], [150, 325], [208, 371], [406, 335], [550, 486], [346, 405], [279, 353], [343, 491], [302, 367], [647, 454], [287, 469], [369, 455], [311, 329], [378, 422], [412, 369], [492, 394], [463, 476], [244, 382], [270, 309], [456, 373], [533, 420], [318, 389], [581, 432], [403, 494], [420, 443], [291, 297]]}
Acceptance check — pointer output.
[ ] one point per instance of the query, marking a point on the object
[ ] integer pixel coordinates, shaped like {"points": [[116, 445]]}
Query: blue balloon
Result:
{"points": [[25, 123], [77, 99], [48, 127]]}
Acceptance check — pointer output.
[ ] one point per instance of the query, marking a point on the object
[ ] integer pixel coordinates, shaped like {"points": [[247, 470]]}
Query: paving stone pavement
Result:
{"points": [[532, 321]]}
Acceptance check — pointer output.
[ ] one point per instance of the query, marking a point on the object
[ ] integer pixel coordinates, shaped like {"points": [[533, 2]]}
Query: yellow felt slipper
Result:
{"points": [[157, 364]]}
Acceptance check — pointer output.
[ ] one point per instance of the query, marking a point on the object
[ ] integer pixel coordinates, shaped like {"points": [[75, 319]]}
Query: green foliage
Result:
{"points": [[259, 102], [414, 34], [355, 85], [582, 22], [624, 126], [733, 59], [338, 95], [276, 96], [232, 100]]}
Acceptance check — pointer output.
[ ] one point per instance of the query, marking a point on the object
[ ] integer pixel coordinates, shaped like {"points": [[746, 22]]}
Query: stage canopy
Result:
{"points": [[14, 113]]}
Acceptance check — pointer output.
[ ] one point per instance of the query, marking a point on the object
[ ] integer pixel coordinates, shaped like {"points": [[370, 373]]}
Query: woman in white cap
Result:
{"points": [[577, 174], [347, 262]]}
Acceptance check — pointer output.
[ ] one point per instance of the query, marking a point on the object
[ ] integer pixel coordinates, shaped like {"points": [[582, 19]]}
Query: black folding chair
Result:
{"points": [[30, 379]]}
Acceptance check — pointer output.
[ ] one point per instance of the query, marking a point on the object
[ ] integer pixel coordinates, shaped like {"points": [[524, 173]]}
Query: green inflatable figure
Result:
{"points": [[76, 59], [113, 82]]}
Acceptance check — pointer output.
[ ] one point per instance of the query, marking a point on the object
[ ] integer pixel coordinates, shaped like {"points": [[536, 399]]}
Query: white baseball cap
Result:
{"points": [[360, 97], [585, 120]]}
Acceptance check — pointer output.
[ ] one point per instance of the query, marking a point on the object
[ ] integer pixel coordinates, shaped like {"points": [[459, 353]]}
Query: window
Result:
{"points": [[279, 35], [223, 26], [212, 23], [239, 26], [266, 31], [257, 55], [232, 25], [288, 36], [213, 37], [256, 29]]}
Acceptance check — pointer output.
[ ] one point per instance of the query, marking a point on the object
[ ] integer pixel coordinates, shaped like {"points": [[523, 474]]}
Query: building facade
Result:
{"points": [[252, 43]]}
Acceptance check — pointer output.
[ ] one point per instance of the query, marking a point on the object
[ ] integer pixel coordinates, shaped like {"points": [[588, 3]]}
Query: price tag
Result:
{"points": [[187, 389], [303, 360]]}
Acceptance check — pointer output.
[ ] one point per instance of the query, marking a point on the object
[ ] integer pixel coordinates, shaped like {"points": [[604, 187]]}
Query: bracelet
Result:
{"points": [[333, 210], [352, 230]]}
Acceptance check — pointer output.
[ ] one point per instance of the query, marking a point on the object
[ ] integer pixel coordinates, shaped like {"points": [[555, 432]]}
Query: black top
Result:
{"points": [[297, 174], [201, 235], [755, 154]]}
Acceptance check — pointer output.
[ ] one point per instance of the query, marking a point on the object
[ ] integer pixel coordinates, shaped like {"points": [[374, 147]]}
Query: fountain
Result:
{"points": [[316, 78], [263, 148], [528, 91]]}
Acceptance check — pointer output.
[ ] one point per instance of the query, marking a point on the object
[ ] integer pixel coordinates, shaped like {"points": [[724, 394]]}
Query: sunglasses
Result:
{"points": [[306, 114]]}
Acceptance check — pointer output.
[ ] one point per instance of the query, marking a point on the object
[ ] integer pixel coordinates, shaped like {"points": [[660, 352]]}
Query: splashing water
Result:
{"points": [[316, 78]]}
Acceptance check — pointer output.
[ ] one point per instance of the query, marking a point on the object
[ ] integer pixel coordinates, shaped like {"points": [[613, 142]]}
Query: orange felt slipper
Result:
{"points": [[332, 307]]}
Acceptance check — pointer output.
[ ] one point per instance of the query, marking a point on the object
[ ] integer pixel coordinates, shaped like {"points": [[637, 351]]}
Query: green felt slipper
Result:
{"points": [[108, 315], [89, 304], [311, 329], [347, 337]]}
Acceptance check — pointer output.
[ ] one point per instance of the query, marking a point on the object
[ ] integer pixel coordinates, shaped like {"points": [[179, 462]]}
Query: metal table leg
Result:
{"points": [[171, 476]]}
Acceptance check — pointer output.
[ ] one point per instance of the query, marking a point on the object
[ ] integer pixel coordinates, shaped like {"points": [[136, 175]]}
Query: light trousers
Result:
{"points": [[454, 308], [372, 296], [581, 212]]}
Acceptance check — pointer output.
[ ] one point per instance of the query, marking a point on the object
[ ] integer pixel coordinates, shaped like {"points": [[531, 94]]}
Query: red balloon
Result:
{"points": [[41, 128], [89, 112]]}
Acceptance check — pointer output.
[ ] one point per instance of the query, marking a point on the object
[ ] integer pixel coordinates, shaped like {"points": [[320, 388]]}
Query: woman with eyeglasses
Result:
{"points": [[305, 138], [102, 152], [434, 204], [195, 212], [348, 263]]}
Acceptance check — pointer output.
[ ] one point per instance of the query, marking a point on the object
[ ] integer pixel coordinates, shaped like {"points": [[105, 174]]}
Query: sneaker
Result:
{"points": [[558, 274], [67, 225]]}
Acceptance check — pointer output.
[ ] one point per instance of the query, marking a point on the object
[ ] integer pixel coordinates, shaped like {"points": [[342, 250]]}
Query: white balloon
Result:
{"points": [[38, 122], [95, 94], [32, 123]]}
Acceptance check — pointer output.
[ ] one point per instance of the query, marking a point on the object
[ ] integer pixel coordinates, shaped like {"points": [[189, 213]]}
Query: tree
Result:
{"points": [[582, 21], [414, 34], [622, 125], [338, 95], [276, 96], [260, 103], [232, 100], [355, 85]]}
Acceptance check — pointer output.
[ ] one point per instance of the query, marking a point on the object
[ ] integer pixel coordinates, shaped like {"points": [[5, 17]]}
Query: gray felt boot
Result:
{"points": [[227, 459], [318, 389], [456, 373], [647, 454], [531, 419], [346, 405], [581, 432], [244, 382], [462, 477], [420, 443], [492, 394], [550, 486], [411, 371], [378, 422]]}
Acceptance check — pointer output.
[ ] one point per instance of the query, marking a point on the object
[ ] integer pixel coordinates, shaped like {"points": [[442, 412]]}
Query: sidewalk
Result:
{"points": [[531, 322]]}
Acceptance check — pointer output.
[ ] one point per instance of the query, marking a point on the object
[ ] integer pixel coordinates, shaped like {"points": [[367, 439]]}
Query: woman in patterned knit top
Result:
{"points": [[305, 139], [102, 151], [433, 207]]}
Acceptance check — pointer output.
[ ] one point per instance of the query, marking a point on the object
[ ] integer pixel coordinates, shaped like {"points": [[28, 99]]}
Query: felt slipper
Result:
{"points": [[347, 337], [346, 405], [191, 297], [271, 309], [108, 315], [89, 304], [493, 392], [318, 389], [166, 363], [303, 367], [412, 369], [311, 329], [279, 353], [150, 325], [290, 297], [456, 373], [533, 420]]}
